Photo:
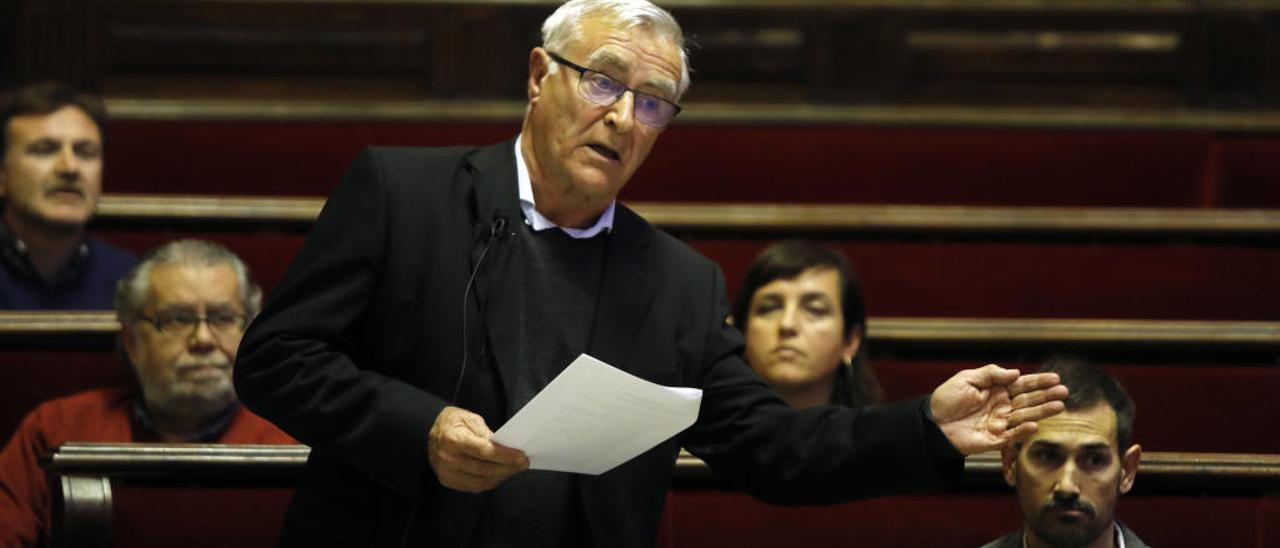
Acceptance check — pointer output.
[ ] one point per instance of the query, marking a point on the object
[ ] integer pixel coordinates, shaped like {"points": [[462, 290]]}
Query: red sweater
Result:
{"points": [[104, 415]]}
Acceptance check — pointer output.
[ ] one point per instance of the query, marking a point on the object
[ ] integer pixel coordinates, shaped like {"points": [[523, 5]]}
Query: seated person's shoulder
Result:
{"points": [[87, 404], [93, 415], [111, 258]]}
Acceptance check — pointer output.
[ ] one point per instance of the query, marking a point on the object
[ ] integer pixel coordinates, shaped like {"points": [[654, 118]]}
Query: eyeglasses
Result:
{"points": [[183, 324], [603, 90]]}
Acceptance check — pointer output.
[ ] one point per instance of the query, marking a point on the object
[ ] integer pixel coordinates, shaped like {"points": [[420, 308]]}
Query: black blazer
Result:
{"points": [[361, 344]]}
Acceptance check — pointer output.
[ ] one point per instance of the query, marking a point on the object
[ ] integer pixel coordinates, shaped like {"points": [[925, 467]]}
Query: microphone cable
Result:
{"points": [[495, 232]]}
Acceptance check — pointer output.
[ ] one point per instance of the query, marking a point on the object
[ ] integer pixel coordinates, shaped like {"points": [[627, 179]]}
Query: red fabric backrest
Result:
{"points": [[774, 163]]}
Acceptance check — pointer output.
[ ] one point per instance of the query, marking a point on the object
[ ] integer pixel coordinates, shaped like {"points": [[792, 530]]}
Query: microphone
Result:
{"points": [[497, 231]]}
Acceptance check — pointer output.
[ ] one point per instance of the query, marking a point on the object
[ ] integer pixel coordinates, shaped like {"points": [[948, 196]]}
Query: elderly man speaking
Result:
{"points": [[441, 289]]}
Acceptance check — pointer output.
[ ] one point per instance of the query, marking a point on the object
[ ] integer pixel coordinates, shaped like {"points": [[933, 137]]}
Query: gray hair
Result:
{"points": [[566, 24], [131, 291]]}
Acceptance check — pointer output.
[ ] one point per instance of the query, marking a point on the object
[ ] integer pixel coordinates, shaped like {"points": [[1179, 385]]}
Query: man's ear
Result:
{"points": [[128, 343], [1009, 464], [539, 66], [1129, 467]]}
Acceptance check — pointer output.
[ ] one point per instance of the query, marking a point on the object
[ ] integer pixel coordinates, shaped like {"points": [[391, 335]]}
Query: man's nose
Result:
{"points": [[202, 338], [1067, 485], [68, 165], [622, 112]]}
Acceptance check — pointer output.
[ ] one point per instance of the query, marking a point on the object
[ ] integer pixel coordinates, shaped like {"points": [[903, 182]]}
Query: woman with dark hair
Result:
{"points": [[801, 311]]}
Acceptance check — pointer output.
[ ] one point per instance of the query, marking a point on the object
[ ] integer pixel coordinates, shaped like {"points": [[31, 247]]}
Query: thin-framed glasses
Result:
{"points": [[184, 324], [604, 90]]}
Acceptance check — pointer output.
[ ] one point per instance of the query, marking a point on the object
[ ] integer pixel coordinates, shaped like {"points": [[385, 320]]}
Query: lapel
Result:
{"points": [[496, 259], [626, 291]]}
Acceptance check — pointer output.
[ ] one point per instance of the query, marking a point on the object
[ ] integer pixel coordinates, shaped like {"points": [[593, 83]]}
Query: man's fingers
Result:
{"points": [[469, 483], [480, 468], [1037, 397], [992, 375], [475, 423], [1034, 381], [1034, 413], [463, 456], [506, 455], [470, 437], [1022, 431]]}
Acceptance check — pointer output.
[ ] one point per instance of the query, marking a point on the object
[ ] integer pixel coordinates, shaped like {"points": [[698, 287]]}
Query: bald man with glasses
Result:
{"points": [[441, 289], [182, 313]]}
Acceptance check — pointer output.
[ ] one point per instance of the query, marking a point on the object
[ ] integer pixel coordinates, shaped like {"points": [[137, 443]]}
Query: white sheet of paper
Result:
{"points": [[593, 417]]}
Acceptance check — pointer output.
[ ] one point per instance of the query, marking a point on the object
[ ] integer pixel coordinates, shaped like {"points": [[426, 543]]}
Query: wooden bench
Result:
{"points": [[762, 162], [1201, 385], [961, 261], [154, 495]]}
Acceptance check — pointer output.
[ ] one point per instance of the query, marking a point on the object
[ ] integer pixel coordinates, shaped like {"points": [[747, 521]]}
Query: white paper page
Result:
{"points": [[593, 417]]}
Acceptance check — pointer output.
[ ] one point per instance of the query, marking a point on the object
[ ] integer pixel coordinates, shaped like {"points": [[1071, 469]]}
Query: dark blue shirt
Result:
{"points": [[88, 283]]}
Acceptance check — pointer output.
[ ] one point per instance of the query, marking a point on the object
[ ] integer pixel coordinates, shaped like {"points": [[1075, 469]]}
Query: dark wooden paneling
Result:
{"points": [[1252, 166], [300, 159], [1029, 280], [31, 375], [267, 253], [1201, 407], [211, 517], [283, 48], [1049, 57], [1118, 53], [860, 165], [955, 279], [747, 163], [717, 518]]}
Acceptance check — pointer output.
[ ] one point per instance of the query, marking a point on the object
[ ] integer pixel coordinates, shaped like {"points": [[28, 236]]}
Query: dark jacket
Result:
{"points": [[360, 346], [1014, 540]]}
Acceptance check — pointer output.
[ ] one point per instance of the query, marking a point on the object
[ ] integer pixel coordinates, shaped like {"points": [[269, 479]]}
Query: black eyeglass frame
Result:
{"points": [[243, 320], [582, 72]]}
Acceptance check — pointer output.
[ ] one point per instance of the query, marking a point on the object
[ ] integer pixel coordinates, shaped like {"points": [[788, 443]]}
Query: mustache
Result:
{"points": [[1060, 504], [195, 364]]}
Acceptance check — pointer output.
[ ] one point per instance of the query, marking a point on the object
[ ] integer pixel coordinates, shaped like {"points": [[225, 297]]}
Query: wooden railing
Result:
{"points": [[756, 218], [883, 330], [85, 474]]}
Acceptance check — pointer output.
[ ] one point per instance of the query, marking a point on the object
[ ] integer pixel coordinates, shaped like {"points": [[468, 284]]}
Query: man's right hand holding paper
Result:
{"points": [[463, 456]]}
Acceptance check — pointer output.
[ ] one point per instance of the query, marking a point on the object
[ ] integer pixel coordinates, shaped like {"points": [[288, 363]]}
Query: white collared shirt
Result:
{"points": [[537, 221]]}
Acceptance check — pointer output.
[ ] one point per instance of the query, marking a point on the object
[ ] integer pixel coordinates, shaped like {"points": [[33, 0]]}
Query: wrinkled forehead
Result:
{"points": [[612, 47], [1078, 428], [184, 285]]}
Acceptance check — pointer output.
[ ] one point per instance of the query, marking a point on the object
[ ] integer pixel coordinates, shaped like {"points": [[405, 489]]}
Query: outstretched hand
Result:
{"points": [[464, 458], [983, 409]]}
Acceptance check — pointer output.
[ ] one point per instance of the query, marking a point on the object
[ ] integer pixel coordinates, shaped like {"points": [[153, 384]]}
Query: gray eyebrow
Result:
{"points": [[607, 59]]}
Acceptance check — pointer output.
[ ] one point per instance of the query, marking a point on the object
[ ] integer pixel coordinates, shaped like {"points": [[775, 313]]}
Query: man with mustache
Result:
{"points": [[1070, 472], [182, 312], [51, 138]]}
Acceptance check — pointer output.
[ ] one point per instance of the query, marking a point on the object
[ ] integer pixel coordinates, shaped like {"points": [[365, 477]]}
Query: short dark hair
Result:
{"points": [[855, 385], [1090, 385], [788, 259], [45, 98]]}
